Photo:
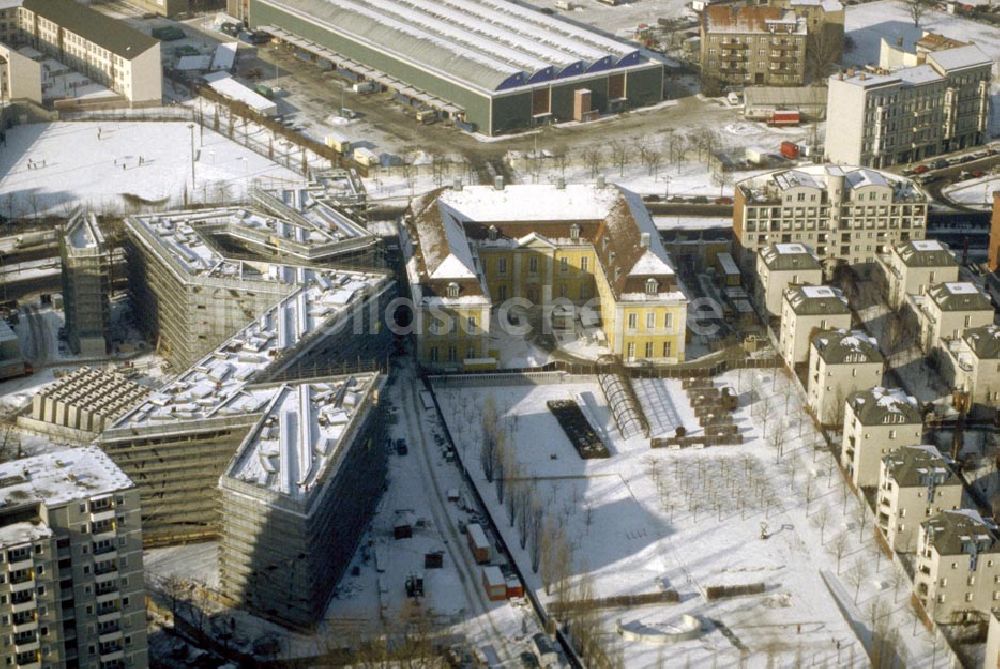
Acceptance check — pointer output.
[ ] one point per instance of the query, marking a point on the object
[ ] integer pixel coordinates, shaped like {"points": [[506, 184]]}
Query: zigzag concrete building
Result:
{"points": [[496, 65]]}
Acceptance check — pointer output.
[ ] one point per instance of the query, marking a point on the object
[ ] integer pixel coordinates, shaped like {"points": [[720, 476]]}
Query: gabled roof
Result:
{"points": [[926, 253], [913, 466], [838, 347], [116, 36], [790, 257], [816, 300], [960, 532], [984, 341], [879, 406]]}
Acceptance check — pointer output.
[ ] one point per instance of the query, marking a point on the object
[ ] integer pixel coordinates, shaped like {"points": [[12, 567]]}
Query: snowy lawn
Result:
{"points": [[51, 168], [644, 520]]}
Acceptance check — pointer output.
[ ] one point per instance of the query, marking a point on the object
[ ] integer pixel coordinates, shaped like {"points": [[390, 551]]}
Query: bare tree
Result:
{"points": [[620, 154], [676, 148], [823, 48], [839, 547], [917, 10], [821, 519], [594, 160], [857, 575], [861, 517], [652, 158]]}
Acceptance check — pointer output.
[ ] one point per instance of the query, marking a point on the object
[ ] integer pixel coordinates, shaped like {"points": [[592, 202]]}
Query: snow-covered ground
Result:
{"points": [[100, 164], [620, 20], [975, 192], [646, 519]]}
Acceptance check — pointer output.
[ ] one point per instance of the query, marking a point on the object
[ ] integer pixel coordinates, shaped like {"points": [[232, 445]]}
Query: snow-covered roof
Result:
{"points": [[224, 84], [958, 532], [959, 58], [770, 186], [789, 257], [926, 253], [60, 476], [984, 341], [880, 405], [301, 434], [863, 177], [217, 384], [919, 465], [83, 233], [959, 296], [732, 19], [816, 300], [484, 44], [828, 5], [839, 347], [23, 532]]}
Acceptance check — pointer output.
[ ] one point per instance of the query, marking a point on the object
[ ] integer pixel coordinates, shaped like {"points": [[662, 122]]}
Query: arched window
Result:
{"points": [[574, 231], [452, 289], [652, 286]]}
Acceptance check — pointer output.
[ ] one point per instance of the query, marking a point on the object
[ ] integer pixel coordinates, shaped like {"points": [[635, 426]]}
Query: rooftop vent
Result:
{"points": [[498, 183]]}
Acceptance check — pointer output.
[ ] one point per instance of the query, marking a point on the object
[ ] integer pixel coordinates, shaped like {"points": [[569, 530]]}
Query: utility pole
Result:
{"points": [[191, 129]]}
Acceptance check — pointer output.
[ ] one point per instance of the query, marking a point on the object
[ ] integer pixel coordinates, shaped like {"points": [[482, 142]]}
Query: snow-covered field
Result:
{"points": [[57, 166], [976, 192], [647, 519]]}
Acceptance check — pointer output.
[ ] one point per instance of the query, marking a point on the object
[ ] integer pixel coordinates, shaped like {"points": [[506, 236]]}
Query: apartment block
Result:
{"points": [[971, 363], [298, 495], [957, 567], [108, 51], [806, 310], [993, 641], [71, 551], [946, 310], [877, 420], [846, 215], [915, 483], [780, 266], [841, 362], [887, 117], [913, 267], [20, 76], [86, 282], [753, 45], [589, 250]]}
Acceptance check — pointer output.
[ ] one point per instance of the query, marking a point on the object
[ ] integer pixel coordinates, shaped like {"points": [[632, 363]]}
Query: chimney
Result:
{"points": [[863, 76], [600, 181], [840, 76], [561, 183], [498, 183], [457, 183], [644, 240]]}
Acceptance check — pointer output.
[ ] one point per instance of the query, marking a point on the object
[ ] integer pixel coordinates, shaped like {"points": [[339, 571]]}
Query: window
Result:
{"points": [[470, 321], [502, 266], [650, 320], [651, 286], [434, 353], [668, 322], [533, 264], [584, 263], [452, 289], [666, 349], [574, 231], [649, 349], [892, 434], [563, 264], [633, 321], [630, 350]]}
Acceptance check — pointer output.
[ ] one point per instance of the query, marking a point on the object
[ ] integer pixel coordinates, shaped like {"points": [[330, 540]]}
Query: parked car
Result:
{"points": [[939, 164], [921, 169]]}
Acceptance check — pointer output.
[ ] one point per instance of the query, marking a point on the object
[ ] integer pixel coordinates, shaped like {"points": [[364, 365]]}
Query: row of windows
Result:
{"points": [[666, 350]]}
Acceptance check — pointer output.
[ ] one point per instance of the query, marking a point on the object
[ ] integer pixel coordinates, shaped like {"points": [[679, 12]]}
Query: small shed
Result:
{"points": [[402, 526], [494, 584]]}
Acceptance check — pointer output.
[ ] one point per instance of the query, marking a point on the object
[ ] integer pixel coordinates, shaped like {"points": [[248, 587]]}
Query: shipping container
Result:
{"points": [[784, 117], [494, 584], [790, 150], [478, 543], [514, 587]]}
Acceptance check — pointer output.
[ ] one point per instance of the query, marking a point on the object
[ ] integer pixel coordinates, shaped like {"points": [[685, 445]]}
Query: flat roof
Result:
{"points": [[60, 476], [487, 44], [299, 435]]}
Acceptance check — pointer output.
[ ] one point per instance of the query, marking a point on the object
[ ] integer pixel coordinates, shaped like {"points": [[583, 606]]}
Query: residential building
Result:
{"points": [[844, 214], [885, 117], [753, 45], [913, 267], [841, 362], [876, 421], [170, 8], [108, 51], [12, 361], [957, 567], [993, 641], [20, 76], [947, 309], [592, 250], [971, 364], [780, 266], [86, 282], [904, 52], [804, 311], [993, 257], [71, 543], [915, 483], [298, 495]]}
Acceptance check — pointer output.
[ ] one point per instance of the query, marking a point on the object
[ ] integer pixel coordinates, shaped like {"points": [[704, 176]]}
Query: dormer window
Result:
{"points": [[574, 231], [452, 289], [652, 286], [493, 232]]}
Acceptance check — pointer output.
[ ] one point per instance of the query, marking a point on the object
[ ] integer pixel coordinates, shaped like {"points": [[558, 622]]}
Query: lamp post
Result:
{"points": [[191, 130]]}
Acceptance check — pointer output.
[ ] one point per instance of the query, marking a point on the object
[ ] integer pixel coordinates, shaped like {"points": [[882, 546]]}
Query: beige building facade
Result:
{"points": [[957, 567], [877, 420], [804, 311], [753, 45], [20, 77], [846, 215], [781, 266], [947, 310], [841, 362], [971, 363], [913, 267], [915, 483], [71, 546]]}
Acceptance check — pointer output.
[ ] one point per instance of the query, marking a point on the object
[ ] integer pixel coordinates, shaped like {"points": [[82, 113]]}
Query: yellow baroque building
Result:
{"points": [[472, 251]]}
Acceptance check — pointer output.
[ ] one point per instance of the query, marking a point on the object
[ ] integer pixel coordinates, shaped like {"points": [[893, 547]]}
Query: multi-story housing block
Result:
{"points": [[915, 266], [299, 493], [971, 364], [71, 553], [845, 214], [841, 362], [593, 250], [753, 45], [915, 483], [780, 266], [108, 51], [876, 421], [806, 310], [86, 281], [957, 567], [887, 117], [946, 310]]}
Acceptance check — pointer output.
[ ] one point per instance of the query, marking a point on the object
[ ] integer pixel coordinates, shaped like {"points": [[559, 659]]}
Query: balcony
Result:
{"points": [[108, 616], [29, 625], [106, 588], [102, 516], [20, 565], [105, 548], [22, 606], [105, 568], [109, 637], [28, 584]]}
